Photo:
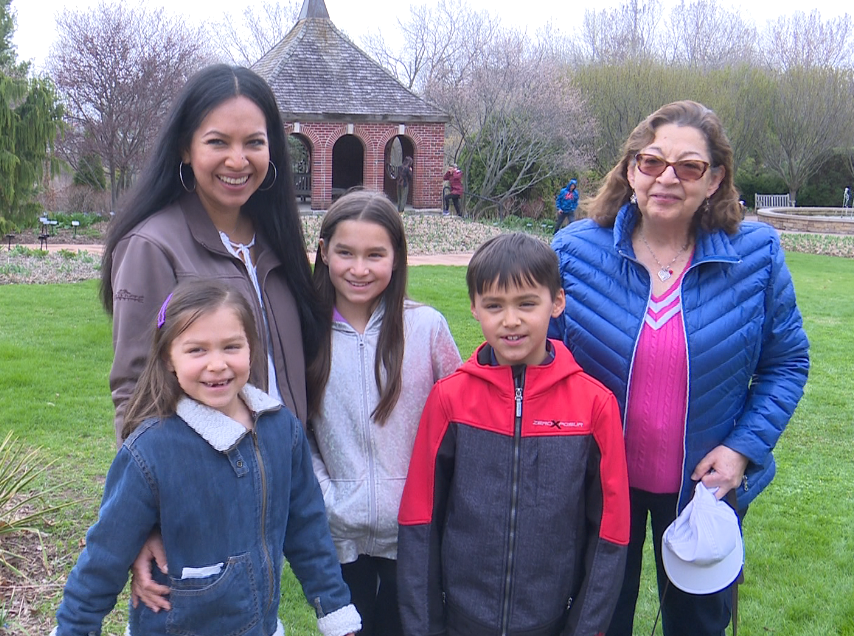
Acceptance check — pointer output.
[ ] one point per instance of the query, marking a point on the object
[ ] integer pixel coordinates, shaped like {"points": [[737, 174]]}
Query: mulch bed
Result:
{"points": [[61, 236], [41, 576]]}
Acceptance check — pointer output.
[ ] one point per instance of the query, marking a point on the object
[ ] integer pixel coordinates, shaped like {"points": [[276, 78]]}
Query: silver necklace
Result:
{"points": [[664, 273]]}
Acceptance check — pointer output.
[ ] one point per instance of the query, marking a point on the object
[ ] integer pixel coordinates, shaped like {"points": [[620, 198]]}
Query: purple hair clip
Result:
{"points": [[161, 317]]}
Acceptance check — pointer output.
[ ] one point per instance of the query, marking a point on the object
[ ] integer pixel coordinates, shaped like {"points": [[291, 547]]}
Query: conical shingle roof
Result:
{"points": [[316, 72]]}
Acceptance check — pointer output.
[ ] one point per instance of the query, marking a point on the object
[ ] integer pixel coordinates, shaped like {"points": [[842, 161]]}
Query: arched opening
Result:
{"points": [[396, 149], [348, 164], [299, 148]]}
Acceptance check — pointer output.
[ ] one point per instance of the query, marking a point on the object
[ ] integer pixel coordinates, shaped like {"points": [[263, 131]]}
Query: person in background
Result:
{"points": [[404, 180], [566, 202], [689, 316], [454, 177], [378, 363]]}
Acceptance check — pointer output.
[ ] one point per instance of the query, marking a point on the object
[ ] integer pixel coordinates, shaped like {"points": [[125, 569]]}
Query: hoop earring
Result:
{"points": [[181, 177], [633, 199], [275, 176]]}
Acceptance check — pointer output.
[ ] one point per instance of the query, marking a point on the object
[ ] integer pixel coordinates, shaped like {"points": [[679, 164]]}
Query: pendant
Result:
{"points": [[664, 274]]}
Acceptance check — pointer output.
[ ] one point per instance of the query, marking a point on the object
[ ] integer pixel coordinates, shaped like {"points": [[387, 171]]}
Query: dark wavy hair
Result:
{"points": [[724, 211], [157, 392], [273, 212], [373, 207]]}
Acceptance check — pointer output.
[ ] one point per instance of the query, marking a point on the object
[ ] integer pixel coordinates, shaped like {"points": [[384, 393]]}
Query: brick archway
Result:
{"points": [[348, 164], [301, 150], [389, 183]]}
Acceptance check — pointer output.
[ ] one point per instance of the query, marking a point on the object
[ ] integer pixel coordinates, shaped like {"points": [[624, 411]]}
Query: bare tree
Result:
{"points": [[518, 119], [811, 114], [628, 31], [805, 40], [117, 70], [705, 35], [440, 44], [244, 40]]}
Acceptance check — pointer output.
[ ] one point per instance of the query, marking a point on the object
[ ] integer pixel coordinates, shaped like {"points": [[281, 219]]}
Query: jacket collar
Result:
{"points": [[374, 322], [217, 429], [539, 378], [204, 232], [199, 222], [714, 246]]}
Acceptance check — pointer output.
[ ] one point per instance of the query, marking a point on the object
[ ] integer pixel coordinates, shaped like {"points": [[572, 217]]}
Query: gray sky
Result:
{"points": [[35, 18]]}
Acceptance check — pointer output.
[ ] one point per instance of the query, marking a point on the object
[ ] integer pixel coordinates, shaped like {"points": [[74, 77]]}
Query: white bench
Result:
{"points": [[773, 201]]}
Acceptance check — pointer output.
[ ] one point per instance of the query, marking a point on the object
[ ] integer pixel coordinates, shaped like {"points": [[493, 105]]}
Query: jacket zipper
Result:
{"points": [[369, 449], [263, 472], [514, 503]]}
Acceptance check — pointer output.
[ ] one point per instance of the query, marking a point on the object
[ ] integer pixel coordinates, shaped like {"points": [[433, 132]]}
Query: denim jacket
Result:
{"points": [[229, 503]]}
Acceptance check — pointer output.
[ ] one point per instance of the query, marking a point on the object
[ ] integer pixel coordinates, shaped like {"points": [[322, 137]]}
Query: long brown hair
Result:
{"points": [[157, 392], [724, 211], [374, 207]]}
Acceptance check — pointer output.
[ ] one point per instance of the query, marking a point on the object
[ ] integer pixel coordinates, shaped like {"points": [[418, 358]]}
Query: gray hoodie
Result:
{"points": [[362, 465]]}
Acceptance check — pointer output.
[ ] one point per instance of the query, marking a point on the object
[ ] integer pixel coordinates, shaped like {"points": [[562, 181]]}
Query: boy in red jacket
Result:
{"points": [[515, 513]]}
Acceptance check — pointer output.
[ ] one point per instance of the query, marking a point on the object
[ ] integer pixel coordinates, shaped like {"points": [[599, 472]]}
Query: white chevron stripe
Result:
{"points": [[661, 304], [662, 320]]}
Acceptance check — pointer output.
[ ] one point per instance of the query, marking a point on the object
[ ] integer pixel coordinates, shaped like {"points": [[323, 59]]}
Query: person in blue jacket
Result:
{"points": [[689, 316], [566, 202]]}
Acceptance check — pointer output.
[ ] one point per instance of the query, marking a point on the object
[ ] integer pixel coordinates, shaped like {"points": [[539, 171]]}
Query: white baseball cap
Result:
{"points": [[702, 549]]}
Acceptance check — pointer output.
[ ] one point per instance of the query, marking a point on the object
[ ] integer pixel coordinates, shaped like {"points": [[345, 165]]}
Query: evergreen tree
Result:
{"points": [[30, 118]]}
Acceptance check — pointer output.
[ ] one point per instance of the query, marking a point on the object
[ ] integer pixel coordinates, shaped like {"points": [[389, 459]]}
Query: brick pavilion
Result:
{"points": [[343, 113]]}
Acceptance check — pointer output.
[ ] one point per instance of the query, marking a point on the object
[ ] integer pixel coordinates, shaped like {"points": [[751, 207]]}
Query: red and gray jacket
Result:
{"points": [[515, 513]]}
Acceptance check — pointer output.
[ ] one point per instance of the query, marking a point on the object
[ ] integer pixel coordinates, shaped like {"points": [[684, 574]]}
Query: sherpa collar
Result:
{"points": [[216, 428]]}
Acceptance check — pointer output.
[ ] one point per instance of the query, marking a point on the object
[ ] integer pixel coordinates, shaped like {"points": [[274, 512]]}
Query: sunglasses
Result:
{"points": [[686, 170]]}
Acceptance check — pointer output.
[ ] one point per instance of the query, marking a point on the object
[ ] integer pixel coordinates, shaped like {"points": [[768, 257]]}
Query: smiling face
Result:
{"points": [[360, 258], [515, 320], [211, 360], [230, 156], [666, 199]]}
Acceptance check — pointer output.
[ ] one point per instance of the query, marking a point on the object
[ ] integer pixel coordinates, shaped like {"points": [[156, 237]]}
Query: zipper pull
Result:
{"points": [[519, 401]]}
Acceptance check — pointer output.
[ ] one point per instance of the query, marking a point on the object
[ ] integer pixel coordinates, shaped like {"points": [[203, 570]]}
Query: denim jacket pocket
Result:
{"points": [[225, 604]]}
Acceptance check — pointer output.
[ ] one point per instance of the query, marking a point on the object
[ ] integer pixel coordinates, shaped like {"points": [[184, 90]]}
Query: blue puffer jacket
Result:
{"points": [[748, 355]]}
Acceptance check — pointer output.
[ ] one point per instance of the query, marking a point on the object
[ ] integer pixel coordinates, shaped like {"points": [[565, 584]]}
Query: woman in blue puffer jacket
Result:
{"points": [[688, 315]]}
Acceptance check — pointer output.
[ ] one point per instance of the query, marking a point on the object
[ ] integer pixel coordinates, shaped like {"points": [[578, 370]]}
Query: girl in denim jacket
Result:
{"points": [[224, 470], [376, 366]]}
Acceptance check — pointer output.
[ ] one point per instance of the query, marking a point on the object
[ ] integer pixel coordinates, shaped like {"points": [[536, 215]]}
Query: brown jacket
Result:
{"points": [[178, 243]]}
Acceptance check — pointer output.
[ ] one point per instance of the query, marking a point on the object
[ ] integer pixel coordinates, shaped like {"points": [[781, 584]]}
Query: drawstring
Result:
{"points": [[239, 250]]}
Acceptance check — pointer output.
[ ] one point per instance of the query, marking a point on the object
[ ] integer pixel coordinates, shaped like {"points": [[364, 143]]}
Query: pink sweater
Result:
{"points": [[658, 397]]}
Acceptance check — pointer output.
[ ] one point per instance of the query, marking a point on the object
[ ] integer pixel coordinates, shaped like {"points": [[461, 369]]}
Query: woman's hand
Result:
{"points": [[142, 586], [723, 468]]}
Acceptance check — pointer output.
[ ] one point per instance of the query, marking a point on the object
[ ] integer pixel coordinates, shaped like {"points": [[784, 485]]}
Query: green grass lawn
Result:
{"points": [[55, 356]]}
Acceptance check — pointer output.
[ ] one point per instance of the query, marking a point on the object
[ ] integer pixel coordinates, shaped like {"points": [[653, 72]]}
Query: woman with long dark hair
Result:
{"points": [[216, 200]]}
